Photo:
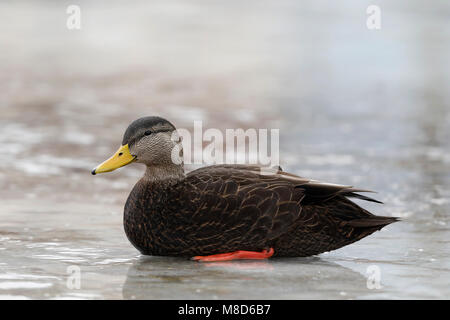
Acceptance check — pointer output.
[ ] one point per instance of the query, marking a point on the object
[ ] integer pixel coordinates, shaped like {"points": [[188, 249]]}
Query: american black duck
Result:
{"points": [[226, 212]]}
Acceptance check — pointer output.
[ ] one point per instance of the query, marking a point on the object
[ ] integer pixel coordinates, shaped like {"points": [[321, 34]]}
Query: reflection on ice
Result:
{"points": [[298, 278]]}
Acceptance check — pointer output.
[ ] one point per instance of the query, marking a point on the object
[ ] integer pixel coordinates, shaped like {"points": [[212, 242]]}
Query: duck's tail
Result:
{"points": [[377, 222], [359, 223], [356, 222]]}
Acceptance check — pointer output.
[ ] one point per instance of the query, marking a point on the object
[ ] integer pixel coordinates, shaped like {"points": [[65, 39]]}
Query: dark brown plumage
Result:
{"points": [[225, 208]]}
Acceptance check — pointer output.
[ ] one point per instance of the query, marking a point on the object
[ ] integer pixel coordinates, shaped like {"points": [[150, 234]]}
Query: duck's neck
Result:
{"points": [[164, 173]]}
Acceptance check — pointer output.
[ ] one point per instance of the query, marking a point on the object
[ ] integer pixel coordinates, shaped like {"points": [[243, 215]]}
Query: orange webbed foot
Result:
{"points": [[236, 255]]}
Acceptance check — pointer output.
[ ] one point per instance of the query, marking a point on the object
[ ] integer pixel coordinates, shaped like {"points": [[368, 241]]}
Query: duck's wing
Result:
{"points": [[228, 208], [315, 190], [225, 209]]}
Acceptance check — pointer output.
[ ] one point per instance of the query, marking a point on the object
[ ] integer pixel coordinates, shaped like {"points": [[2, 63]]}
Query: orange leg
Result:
{"points": [[236, 255]]}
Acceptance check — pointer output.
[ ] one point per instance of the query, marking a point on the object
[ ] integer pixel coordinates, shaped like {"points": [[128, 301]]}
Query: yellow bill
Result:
{"points": [[121, 158]]}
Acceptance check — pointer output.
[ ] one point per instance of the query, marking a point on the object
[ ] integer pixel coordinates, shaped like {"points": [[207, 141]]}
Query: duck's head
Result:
{"points": [[148, 140]]}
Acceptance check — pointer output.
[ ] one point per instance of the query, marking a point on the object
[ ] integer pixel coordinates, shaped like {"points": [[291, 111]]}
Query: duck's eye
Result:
{"points": [[147, 133]]}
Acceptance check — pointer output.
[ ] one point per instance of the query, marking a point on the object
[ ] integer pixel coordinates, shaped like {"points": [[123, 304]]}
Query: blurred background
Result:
{"points": [[354, 106]]}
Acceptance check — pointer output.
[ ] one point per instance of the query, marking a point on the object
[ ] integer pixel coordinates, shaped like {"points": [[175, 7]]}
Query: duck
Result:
{"points": [[226, 212]]}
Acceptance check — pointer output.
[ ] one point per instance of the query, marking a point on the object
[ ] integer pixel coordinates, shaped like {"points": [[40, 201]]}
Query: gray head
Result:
{"points": [[148, 140]]}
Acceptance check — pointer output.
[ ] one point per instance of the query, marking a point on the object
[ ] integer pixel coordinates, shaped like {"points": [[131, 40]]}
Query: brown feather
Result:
{"points": [[225, 208]]}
